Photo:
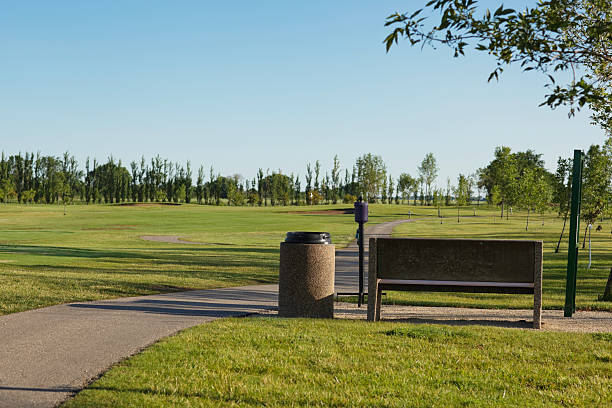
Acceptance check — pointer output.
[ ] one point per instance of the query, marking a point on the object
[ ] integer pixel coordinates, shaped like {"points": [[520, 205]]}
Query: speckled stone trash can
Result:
{"points": [[306, 275]]}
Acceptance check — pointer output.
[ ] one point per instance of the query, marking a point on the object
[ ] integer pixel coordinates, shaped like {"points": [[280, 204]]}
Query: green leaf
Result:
{"points": [[416, 13]]}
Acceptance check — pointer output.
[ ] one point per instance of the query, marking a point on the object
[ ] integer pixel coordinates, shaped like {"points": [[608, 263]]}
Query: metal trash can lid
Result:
{"points": [[306, 237]]}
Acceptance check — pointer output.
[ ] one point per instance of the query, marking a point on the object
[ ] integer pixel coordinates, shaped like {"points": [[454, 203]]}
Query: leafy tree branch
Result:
{"points": [[555, 36]]}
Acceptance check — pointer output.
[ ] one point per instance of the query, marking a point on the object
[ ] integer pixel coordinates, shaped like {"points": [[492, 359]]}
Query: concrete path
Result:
{"points": [[48, 354], [347, 259]]}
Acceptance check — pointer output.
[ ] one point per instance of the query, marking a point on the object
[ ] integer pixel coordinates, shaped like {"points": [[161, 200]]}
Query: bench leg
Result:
{"points": [[374, 296], [537, 317], [537, 288], [537, 306], [373, 292], [378, 303]]}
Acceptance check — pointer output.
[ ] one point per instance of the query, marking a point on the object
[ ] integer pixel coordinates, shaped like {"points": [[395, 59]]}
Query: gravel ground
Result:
{"points": [[552, 320]]}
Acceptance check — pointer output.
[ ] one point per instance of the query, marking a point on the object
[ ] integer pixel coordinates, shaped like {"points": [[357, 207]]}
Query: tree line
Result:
{"points": [[44, 179], [510, 180]]}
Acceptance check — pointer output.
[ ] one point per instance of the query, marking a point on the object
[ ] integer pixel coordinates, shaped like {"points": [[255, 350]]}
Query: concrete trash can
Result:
{"points": [[306, 275]]}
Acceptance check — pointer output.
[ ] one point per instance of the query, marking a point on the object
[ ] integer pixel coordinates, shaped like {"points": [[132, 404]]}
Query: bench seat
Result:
{"points": [[421, 285], [489, 266]]}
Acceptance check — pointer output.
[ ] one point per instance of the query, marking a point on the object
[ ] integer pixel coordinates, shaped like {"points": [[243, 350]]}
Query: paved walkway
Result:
{"points": [[347, 259], [48, 354]]}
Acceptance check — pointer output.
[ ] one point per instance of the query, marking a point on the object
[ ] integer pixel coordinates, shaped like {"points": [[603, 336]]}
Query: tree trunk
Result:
{"points": [[562, 231], [607, 295], [590, 228], [502, 210], [457, 213], [527, 225], [584, 237]]}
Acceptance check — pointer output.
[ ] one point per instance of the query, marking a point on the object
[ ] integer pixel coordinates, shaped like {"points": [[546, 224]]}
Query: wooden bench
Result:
{"points": [[454, 265]]}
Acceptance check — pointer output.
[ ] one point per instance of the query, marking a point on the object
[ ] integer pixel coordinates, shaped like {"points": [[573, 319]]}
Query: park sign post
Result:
{"points": [[572, 251], [361, 217]]}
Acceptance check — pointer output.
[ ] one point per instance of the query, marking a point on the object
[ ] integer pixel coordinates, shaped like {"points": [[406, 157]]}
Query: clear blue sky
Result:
{"points": [[274, 84]]}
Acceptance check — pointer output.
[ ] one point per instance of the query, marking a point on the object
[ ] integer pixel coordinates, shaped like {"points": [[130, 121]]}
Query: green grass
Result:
{"points": [[94, 252], [276, 363], [488, 225]]}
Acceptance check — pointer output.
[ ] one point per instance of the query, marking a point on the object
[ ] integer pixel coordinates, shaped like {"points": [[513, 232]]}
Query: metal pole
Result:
{"points": [[590, 227], [572, 252], [360, 242]]}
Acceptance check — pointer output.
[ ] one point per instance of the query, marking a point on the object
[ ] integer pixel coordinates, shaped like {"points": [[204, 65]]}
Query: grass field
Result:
{"points": [[334, 363], [94, 252]]}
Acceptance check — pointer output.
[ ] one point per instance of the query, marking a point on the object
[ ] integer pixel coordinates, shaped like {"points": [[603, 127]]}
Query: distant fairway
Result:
{"points": [[95, 252]]}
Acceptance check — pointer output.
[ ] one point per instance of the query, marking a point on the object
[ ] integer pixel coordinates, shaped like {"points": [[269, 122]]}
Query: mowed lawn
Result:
{"points": [[334, 363], [95, 252], [487, 224]]}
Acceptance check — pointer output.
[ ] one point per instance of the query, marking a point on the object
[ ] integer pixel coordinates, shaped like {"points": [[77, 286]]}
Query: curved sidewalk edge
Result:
{"points": [[48, 354]]}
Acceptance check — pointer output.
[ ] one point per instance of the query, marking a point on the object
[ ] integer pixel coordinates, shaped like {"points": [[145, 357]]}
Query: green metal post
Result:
{"points": [[572, 252]]}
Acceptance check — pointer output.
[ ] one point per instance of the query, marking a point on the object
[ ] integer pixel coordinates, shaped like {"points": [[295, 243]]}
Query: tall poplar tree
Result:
{"points": [[428, 171]]}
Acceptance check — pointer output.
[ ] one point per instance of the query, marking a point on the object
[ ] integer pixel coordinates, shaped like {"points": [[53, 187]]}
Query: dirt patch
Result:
{"points": [[552, 320], [326, 212], [145, 204], [110, 228], [170, 239]]}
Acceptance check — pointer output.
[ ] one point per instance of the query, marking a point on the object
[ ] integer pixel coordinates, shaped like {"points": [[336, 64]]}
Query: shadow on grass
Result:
{"points": [[216, 398], [61, 251], [207, 257], [56, 389], [150, 391], [126, 286], [518, 324], [241, 248], [96, 253]]}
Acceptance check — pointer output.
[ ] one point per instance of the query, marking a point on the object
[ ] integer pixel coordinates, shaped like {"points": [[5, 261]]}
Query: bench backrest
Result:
{"points": [[457, 259]]}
